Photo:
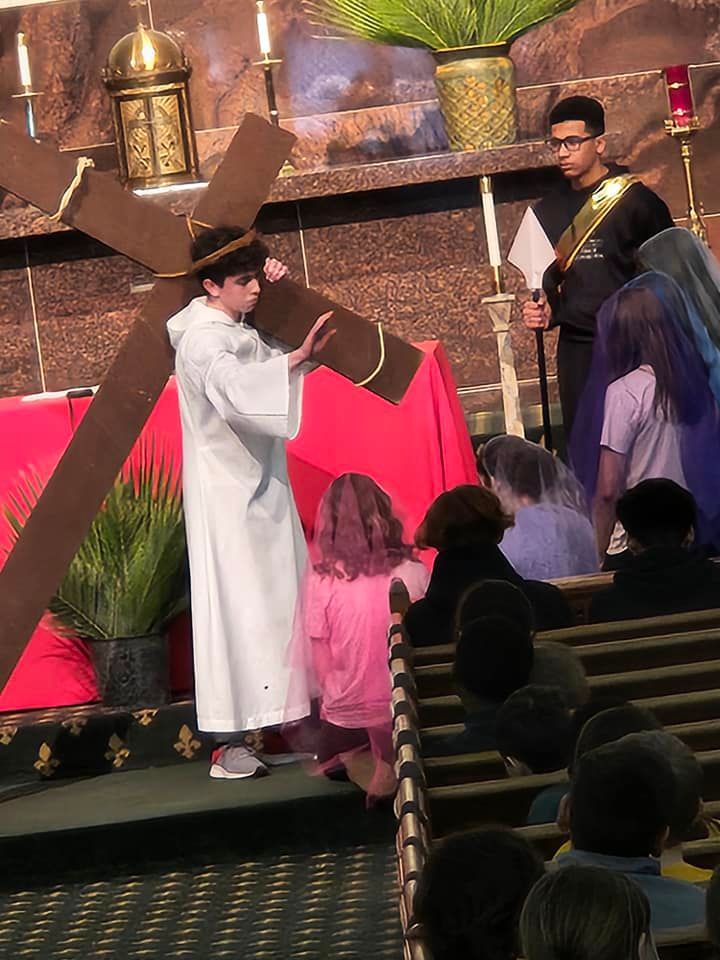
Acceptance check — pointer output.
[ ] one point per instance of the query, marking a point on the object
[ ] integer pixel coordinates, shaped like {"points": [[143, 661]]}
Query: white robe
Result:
{"points": [[239, 403]]}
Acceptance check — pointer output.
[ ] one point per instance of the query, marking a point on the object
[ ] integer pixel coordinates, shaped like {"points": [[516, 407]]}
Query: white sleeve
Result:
{"points": [[260, 397], [621, 419]]}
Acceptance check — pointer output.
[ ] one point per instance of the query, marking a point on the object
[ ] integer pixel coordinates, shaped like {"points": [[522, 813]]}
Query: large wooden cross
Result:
{"points": [[160, 241]]}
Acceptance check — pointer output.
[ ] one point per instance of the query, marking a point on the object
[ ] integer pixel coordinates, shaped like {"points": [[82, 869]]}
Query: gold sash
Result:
{"points": [[598, 205]]}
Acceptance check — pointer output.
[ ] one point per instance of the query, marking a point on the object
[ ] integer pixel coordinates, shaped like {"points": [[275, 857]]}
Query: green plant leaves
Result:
{"points": [[436, 24], [129, 576]]}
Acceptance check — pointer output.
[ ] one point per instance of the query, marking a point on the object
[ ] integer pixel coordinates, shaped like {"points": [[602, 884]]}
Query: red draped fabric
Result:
{"points": [[414, 451]]}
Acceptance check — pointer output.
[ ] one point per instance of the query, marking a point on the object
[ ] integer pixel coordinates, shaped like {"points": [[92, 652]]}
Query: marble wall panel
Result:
{"points": [[69, 43], [317, 75], [85, 308], [422, 275], [19, 361], [599, 38]]}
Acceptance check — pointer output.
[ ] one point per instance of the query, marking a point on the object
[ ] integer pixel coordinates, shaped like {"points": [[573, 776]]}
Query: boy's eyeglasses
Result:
{"points": [[571, 144]]}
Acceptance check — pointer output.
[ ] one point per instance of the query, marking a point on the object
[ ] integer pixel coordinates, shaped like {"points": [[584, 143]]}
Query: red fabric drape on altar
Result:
{"points": [[414, 451]]}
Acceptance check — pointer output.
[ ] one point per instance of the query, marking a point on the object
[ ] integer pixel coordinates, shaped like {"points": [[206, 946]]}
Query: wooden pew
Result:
{"points": [[507, 801], [687, 944], [698, 704], [678, 623], [613, 656], [547, 839], [488, 765]]}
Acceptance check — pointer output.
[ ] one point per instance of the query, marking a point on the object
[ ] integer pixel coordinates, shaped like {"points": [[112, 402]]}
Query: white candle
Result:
{"points": [[23, 62], [262, 29], [491, 230]]}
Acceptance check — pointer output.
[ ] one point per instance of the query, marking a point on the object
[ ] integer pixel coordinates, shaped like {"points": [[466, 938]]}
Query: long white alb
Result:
{"points": [[239, 403]]}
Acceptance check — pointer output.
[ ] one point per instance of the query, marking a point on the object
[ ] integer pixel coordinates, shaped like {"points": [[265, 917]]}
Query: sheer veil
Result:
{"points": [[696, 412], [679, 254], [523, 472], [684, 257]]}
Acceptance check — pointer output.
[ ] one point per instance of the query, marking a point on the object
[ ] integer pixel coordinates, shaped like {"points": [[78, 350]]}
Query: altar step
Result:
{"points": [[41, 745], [106, 825]]}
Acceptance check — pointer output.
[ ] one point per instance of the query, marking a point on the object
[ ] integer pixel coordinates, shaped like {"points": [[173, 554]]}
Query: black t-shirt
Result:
{"points": [[607, 260]]}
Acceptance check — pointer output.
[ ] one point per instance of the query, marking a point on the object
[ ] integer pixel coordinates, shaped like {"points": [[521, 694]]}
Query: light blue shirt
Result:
{"points": [[550, 541], [673, 903]]}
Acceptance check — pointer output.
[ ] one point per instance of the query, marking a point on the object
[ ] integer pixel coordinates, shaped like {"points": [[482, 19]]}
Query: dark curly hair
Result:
{"points": [[249, 259], [472, 891], [466, 515], [368, 539]]}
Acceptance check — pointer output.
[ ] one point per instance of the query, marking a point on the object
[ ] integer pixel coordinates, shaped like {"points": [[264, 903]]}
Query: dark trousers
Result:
{"points": [[573, 365]]}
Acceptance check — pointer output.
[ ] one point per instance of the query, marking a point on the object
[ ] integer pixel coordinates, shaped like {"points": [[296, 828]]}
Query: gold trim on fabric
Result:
{"points": [[586, 221]]}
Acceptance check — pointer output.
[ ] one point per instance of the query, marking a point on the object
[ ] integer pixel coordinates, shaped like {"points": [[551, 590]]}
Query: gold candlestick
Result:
{"points": [[683, 125], [267, 63], [684, 135]]}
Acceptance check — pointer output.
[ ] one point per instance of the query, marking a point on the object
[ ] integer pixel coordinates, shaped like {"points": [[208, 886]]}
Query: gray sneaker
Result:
{"points": [[236, 763]]}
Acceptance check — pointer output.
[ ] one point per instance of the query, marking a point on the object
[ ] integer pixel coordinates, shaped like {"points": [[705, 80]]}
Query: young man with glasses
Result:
{"points": [[597, 221]]}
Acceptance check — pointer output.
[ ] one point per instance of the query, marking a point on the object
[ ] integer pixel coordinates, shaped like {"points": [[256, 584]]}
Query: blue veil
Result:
{"points": [[681, 255], [696, 411]]}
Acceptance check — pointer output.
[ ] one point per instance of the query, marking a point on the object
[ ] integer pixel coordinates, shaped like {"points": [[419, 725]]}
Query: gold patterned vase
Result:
{"points": [[147, 78], [476, 90]]}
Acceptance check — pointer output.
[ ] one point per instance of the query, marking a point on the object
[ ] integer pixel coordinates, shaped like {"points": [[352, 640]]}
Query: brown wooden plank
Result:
{"points": [[154, 237], [459, 806], [287, 311], [114, 420], [100, 207]]}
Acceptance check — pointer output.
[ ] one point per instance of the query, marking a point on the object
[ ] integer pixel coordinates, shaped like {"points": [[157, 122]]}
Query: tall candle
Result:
{"points": [[262, 29], [23, 62], [680, 98], [491, 230]]}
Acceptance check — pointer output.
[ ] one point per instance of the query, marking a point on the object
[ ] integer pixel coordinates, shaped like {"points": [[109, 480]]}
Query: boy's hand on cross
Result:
{"points": [[314, 341], [274, 270]]}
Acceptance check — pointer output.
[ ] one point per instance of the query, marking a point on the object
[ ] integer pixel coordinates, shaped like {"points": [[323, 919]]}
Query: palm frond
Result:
{"points": [[435, 24], [128, 577]]}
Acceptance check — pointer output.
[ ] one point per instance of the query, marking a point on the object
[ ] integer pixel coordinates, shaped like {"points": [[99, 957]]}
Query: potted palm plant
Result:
{"points": [[126, 582], [470, 41]]}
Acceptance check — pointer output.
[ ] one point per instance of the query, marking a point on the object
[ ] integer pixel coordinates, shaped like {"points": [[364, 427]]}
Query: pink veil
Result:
{"points": [[339, 646]]}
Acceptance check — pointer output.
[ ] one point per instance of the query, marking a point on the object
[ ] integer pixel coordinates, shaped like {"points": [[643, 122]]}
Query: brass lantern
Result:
{"points": [[147, 76]]}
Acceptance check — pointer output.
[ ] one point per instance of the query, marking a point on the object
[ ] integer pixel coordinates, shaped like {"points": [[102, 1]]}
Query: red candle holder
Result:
{"points": [[682, 126], [680, 96]]}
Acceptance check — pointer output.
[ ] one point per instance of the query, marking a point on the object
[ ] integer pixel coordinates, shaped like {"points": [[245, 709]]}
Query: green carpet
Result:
{"points": [[159, 792], [338, 904]]}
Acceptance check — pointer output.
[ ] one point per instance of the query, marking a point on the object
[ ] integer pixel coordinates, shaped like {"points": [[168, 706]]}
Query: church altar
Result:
{"points": [[414, 450]]}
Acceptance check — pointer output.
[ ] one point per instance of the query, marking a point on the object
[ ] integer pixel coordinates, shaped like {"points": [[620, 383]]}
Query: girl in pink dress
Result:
{"points": [[357, 550]]}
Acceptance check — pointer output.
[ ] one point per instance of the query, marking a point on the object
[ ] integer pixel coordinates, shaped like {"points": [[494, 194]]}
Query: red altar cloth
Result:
{"points": [[414, 451]]}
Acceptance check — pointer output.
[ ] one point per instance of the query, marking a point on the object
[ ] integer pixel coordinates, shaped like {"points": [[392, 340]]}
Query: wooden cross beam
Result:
{"points": [[160, 241]]}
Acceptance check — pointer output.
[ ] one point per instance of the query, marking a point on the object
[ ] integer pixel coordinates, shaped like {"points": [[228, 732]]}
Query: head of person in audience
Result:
{"points": [[657, 513], [524, 474], [681, 255], [613, 724], [600, 728], [466, 516], [586, 913], [495, 598], [621, 801], [598, 703], [533, 729], [713, 908], [357, 530], [493, 659], [558, 665], [471, 893], [686, 811]]}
